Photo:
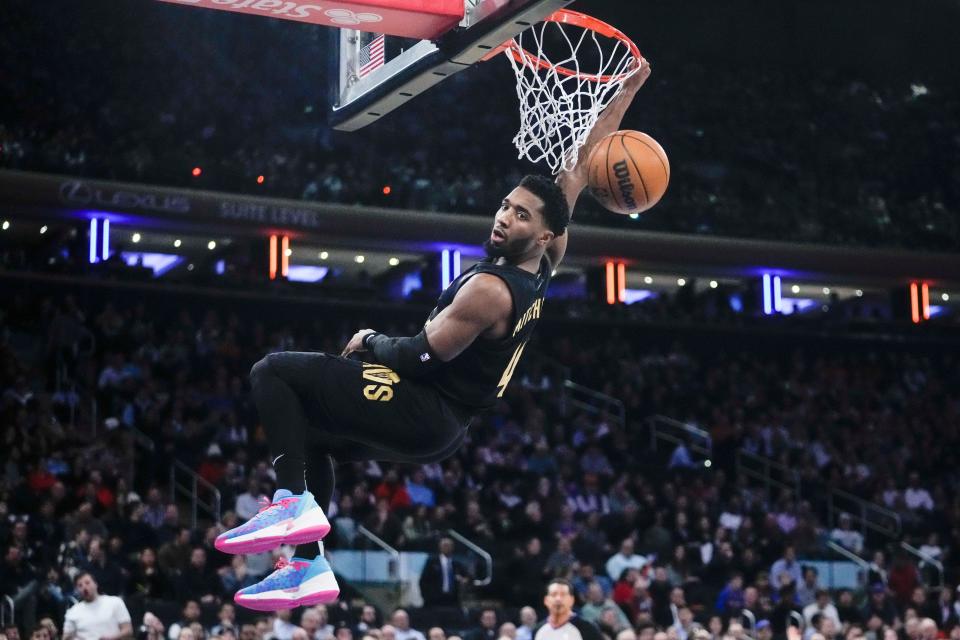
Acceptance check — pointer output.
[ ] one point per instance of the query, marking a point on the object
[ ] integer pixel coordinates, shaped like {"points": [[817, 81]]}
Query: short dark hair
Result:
{"points": [[80, 575], [561, 581], [555, 209]]}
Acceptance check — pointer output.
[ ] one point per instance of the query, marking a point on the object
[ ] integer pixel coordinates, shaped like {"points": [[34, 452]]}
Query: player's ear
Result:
{"points": [[546, 237]]}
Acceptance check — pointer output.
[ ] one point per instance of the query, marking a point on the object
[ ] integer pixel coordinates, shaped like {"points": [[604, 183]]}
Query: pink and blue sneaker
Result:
{"points": [[297, 583], [288, 519]]}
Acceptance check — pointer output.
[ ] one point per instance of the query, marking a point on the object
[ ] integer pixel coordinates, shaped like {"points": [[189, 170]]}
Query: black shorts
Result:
{"points": [[360, 411]]}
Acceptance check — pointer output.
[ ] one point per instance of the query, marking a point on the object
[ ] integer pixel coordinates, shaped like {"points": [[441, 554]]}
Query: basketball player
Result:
{"points": [[413, 401]]}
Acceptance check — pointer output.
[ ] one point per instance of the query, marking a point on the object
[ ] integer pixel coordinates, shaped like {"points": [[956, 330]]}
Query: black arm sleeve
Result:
{"points": [[587, 629], [411, 357]]}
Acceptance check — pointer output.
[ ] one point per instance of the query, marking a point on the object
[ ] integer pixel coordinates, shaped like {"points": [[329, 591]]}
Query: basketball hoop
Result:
{"points": [[559, 101]]}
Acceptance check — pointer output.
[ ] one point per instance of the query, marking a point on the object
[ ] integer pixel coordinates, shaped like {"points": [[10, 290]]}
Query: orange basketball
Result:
{"points": [[629, 172]]}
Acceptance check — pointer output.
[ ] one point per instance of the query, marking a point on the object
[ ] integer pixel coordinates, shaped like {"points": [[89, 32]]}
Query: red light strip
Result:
{"points": [[273, 257], [914, 304], [925, 300], [621, 282], [611, 285], [284, 258]]}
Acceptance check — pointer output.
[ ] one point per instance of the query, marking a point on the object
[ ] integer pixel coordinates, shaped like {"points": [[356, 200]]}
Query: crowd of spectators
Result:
{"points": [[653, 542], [783, 152]]}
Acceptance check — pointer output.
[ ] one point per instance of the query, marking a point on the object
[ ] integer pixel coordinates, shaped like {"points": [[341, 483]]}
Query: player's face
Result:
{"points": [[559, 600], [518, 225]]}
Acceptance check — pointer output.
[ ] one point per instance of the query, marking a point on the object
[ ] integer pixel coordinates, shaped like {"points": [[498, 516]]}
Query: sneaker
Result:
{"points": [[288, 519], [297, 583]]}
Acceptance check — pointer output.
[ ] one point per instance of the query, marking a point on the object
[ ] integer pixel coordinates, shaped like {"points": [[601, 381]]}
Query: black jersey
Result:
{"points": [[479, 375]]}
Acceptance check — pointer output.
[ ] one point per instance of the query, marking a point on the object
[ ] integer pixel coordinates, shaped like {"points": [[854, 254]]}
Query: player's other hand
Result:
{"points": [[356, 342]]}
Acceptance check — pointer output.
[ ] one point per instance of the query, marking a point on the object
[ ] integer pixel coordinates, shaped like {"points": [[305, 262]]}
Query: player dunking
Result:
{"points": [[413, 405]]}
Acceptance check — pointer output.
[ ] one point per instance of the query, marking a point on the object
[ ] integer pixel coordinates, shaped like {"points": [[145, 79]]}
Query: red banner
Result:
{"points": [[423, 19]]}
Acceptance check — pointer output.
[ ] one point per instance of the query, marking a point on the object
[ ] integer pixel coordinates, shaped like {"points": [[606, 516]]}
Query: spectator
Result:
{"points": [[283, 627], [248, 503], [807, 590], [198, 581], [148, 579], [597, 603], [442, 576], [189, 615], [487, 627], [528, 622], [314, 622], [846, 536], [730, 601], [417, 489], [436, 633], [786, 570], [400, 621], [226, 621], [916, 497], [683, 627], [96, 617], [823, 606], [562, 560], [369, 619], [624, 559], [881, 606]]}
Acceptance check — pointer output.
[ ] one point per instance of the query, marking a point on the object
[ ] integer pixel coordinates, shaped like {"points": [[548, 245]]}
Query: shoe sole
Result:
{"points": [[310, 526], [328, 591]]}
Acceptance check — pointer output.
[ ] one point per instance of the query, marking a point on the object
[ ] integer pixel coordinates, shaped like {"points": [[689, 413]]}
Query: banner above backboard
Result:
{"points": [[422, 19]]}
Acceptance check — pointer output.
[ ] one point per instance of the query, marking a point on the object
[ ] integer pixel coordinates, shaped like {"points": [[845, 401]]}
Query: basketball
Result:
{"points": [[629, 172]]}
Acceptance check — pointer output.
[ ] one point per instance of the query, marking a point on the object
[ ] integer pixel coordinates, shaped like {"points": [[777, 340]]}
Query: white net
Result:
{"points": [[559, 101]]}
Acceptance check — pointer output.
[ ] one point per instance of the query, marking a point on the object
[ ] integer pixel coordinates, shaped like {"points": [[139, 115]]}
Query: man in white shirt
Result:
{"points": [[624, 559], [401, 625], [96, 617], [916, 496], [822, 605], [248, 503], [846, 536]]}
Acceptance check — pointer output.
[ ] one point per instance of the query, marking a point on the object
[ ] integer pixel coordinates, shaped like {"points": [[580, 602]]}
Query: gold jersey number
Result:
{"points": [[511, 367]]}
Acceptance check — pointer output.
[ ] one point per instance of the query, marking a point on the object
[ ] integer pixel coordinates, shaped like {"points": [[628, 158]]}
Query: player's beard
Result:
{"points": [[506, 249]]}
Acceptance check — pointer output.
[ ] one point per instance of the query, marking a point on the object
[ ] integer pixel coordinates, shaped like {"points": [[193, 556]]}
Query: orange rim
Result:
{"points": [[577, 19]]}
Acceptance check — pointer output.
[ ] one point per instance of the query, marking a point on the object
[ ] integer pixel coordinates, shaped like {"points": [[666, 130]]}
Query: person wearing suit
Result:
{"points": [[442, 576]]}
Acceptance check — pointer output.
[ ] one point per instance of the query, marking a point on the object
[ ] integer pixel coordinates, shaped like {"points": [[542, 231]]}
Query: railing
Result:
{"points": [[586, 399], [760, 468], [926, 559], [394, 566], [798, 618], [8, 602], [486, 557], [868, 514], [195, 482], [667, 429], [851, 556], [752, 619]]}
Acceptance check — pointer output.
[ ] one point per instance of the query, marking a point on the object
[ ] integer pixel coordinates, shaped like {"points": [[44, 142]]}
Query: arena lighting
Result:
{"points": [[826, 291], [212, 245], [634, 216], [220, 266], [307, 273], [945, 297], [707, 463], [359, 259], [914, 304], [288, 252], [387, 190], [105, 233], [324, 255], [859, 293], [394, 262], [273, 257], [93, 240], [925, 300], [449, 266], [611, 284], [714, 284], [648, 280], [159, 263], [285, 256], [43, 229], [621, 282], [636, 295], [136, 237], [177, 243], [681, 282], [196, 172], [260, 179], [6, 225], [772, 300], [795, 288]]}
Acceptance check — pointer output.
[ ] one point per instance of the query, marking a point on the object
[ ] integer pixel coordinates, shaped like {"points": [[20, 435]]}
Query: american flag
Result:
{"points": [[371, 56]]}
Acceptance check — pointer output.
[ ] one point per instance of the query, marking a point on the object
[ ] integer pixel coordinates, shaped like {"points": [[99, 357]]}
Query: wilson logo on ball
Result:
{"points": [[622, 173]]}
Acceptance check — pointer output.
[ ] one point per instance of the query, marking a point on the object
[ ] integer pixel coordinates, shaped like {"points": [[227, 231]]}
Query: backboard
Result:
{"points": [[373, 75]]}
